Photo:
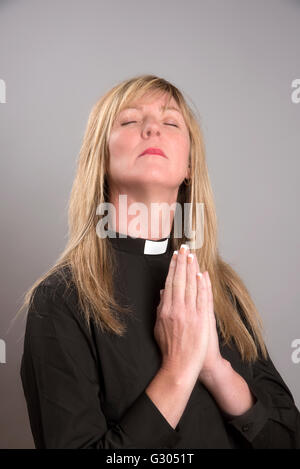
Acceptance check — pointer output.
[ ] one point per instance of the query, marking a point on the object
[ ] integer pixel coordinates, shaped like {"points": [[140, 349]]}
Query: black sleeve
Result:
{"points": [[273, 422], [62, 387]]}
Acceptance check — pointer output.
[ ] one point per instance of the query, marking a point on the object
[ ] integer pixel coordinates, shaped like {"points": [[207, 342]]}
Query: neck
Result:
{"points": [[152, 217]]}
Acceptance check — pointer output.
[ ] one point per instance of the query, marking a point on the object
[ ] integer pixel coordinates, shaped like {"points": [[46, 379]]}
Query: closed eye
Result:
{"points": [[166, 123]]}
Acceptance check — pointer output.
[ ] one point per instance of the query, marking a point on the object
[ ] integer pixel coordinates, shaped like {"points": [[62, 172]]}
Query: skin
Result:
{"points": [[187, 295], [151, 178]]}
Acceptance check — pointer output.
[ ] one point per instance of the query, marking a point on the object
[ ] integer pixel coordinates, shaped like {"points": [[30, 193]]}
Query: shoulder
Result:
{"points": [[55, 302], [55, 326], [57, 288], [62, 275]]}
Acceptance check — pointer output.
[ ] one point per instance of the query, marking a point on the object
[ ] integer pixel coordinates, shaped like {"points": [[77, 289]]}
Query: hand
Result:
{"points": [[213, 360], [182, 324]]}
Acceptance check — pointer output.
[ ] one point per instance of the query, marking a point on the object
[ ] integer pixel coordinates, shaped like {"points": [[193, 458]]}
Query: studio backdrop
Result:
{"points": [[237, 63]]}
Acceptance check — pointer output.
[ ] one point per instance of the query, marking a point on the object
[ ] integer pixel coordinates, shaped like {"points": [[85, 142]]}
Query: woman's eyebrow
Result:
{"points": [[162, 108]]}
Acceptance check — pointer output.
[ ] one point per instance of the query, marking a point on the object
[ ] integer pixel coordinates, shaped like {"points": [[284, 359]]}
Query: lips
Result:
{"points": [[153, 151]]}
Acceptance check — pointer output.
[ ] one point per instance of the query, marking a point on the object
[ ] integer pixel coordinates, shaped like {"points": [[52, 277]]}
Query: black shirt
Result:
{"points": [[88, 390]]}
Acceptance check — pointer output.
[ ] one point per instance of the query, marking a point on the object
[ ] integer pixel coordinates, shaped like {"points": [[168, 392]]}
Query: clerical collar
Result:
{"points": [[139, 245]]}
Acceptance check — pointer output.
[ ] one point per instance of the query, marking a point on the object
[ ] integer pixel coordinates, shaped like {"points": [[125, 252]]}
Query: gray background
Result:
{"points": [[234, 60]]}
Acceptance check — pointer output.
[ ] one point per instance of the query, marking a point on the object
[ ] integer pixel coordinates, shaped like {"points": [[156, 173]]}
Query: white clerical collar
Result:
{"points": [[155, 247], [139, 245]]}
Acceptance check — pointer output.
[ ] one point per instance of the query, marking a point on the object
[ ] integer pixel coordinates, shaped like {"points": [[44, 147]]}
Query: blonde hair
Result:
{"points": [[91, 259]]}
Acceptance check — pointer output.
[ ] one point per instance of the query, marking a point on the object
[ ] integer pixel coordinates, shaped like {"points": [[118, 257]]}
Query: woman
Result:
{"points": [[108, 362]]}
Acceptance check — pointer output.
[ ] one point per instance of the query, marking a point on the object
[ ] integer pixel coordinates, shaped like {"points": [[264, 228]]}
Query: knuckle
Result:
{"points": [[190, 305], [164, 312], [191, 318], [177, 282], [181, 260], [178, 319], [190, 287], [179, 305]]}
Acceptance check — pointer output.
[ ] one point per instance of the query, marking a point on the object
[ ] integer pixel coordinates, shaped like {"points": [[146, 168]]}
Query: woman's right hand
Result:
{"points": [[182, 323]]}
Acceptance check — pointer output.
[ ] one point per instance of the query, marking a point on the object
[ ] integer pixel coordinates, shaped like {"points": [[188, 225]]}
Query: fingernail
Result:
{"points": [[199, 274], [183, 248], [190, 258], [175, 253]]}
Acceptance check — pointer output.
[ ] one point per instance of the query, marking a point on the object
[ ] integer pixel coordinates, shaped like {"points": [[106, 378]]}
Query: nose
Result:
{"points": [[150, 127]]}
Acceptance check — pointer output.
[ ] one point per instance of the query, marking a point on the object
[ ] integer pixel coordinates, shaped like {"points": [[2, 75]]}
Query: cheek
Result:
{"points": [[114, 142], [120, 142], [121, 146], [181, 149]]}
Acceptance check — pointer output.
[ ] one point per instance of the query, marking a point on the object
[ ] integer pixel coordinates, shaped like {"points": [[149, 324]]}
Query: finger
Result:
{"points": [[179, 280], [210, 302], [197, 264], [191, 282], [201, 294], [169, 280], [204, 277]]}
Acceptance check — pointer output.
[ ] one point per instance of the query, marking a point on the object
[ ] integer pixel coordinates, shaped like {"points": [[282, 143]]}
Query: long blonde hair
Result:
{"points": [[91, 259]]}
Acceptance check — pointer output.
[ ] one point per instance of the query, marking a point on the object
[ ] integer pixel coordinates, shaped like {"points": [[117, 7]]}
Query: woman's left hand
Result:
{"points": [[213, 360]]}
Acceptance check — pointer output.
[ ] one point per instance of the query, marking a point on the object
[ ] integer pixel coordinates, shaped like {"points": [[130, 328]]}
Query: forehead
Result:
{"points": [[162, 102]]}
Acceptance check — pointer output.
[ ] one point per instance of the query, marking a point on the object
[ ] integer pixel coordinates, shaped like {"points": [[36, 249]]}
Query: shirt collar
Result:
{"points": [[139, 245]]}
